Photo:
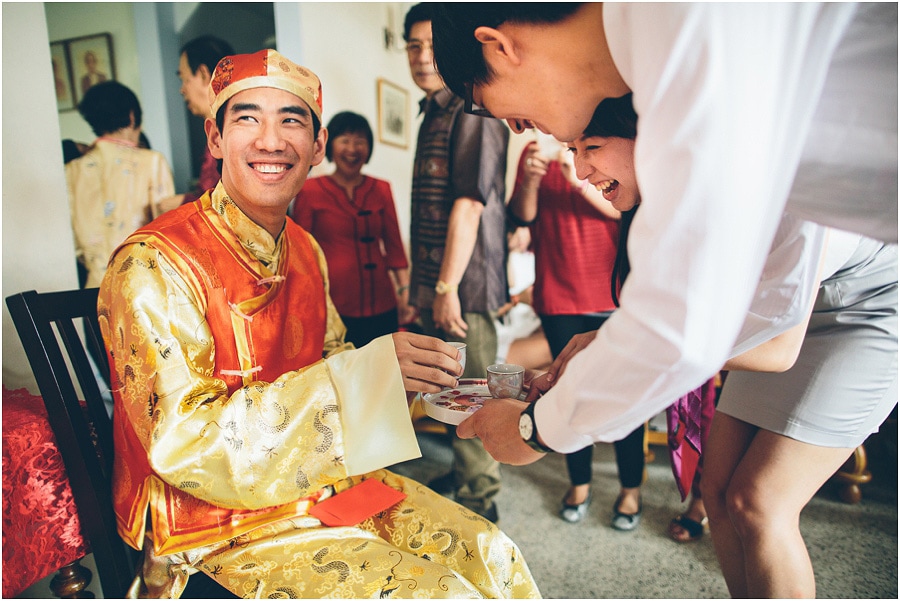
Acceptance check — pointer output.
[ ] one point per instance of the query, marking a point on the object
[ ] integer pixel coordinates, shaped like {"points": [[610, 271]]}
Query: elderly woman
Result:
{"points": [[353, 217], [116, 186]]}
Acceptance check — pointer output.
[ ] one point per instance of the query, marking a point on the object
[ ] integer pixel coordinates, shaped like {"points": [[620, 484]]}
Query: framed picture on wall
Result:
{"points": [[92, 61], [62, 77], [393, 114]]}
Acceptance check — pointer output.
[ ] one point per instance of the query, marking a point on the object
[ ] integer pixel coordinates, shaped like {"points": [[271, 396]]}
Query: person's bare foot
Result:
{"points": [[629, 501], [575, 504], [627, 509], [578, 494]]}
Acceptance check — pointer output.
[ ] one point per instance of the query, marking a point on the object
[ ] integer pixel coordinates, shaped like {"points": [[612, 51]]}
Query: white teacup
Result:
{"points": [[461, 346], [505, 380]]}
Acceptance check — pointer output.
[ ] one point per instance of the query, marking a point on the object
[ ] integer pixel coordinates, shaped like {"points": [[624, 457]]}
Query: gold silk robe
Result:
{"points": [[193, 432], [113, 190]]}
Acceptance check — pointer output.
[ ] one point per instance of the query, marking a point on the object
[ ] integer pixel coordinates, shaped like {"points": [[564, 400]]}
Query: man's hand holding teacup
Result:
{"points": [[427, 364]]}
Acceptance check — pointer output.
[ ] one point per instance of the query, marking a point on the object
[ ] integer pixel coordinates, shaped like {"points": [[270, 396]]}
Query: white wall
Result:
{"points": [[343, 44], [75, 19], [165, 117], [38, 251]]}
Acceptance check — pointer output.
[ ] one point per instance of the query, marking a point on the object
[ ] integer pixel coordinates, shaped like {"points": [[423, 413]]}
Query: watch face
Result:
{"points": [[526, 427]]}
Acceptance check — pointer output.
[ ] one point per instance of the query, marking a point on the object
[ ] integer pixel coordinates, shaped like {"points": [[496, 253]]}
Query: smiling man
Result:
{"points": [[243, 421], [746, 111]]}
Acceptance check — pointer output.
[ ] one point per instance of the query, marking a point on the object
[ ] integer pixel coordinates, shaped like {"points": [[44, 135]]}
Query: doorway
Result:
{"points": [[247, 26]]}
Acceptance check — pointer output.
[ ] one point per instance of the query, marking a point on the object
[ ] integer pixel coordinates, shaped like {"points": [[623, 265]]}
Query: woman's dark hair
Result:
{"points": [[348, 123], [70, 151], [206, 50], [108, 107], [458, 54], [622, 266], [615, 118]]}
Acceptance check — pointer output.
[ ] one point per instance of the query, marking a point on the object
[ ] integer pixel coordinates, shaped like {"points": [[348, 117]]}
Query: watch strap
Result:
{"points": [[533, 442], [443, 287]]}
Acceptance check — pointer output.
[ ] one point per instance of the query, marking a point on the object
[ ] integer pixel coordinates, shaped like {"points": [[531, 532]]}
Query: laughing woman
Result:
{"points": [[794, 407], [353, 217], [604, 158]]}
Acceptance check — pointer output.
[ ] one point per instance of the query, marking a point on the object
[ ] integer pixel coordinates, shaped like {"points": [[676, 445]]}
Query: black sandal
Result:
{"points": [[694, 529]]}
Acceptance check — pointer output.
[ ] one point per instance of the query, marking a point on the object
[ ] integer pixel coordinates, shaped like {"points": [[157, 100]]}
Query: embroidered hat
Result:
{"points": [[263, 69]]}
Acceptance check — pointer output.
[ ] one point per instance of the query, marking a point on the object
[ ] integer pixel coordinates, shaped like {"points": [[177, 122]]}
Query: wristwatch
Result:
{"points": [[528, 430], [443, 287]]}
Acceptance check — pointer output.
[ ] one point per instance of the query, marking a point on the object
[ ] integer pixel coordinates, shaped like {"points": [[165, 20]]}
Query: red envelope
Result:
{"points": [[356, 504]]}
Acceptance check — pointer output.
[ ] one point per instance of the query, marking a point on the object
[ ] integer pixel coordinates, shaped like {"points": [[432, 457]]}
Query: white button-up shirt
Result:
{"points": [[744, 110]]}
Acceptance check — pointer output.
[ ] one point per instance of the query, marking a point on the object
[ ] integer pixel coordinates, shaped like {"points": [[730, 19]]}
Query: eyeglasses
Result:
{"points": [[472, 108], [418, 47]]}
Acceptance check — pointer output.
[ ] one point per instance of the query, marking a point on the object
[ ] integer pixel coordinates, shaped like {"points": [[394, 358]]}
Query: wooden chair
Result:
{"points": [[659, 438], [83, 432]]}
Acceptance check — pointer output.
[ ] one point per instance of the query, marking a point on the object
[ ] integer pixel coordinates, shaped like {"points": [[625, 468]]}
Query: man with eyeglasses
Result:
{"points": [[458, 243]]}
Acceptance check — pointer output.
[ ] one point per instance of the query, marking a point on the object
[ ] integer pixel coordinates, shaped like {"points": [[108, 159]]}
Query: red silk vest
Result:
{"points": [[261, 331]]}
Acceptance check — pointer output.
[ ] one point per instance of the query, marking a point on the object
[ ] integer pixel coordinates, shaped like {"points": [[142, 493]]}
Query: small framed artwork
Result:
{"points": [[393, 114], [62, 77], [92, 61]]}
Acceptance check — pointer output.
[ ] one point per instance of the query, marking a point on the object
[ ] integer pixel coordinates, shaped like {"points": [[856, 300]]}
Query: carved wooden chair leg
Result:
{"points": [[72, 581], [853, 473]]}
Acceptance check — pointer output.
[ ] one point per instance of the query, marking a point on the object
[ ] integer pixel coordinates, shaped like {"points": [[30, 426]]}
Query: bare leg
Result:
{"points": [[769, 487], [727, 443], [774, 481]]}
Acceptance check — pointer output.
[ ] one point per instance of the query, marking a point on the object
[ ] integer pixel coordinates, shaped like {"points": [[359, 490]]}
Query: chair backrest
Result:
{"points": [[83, 433]]}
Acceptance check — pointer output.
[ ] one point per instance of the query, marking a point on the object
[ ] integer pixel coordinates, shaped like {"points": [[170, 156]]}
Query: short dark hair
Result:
{"points": [[614, 118], [458, 55], [108, 106], [206, 50], [347, 122], [417, 14], [71, 151]]}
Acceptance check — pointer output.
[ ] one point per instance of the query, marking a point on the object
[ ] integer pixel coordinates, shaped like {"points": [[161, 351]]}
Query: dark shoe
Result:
{"points": [[626, 521], [575, 513], [490, 514], [443, 485], [683, 529]]}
